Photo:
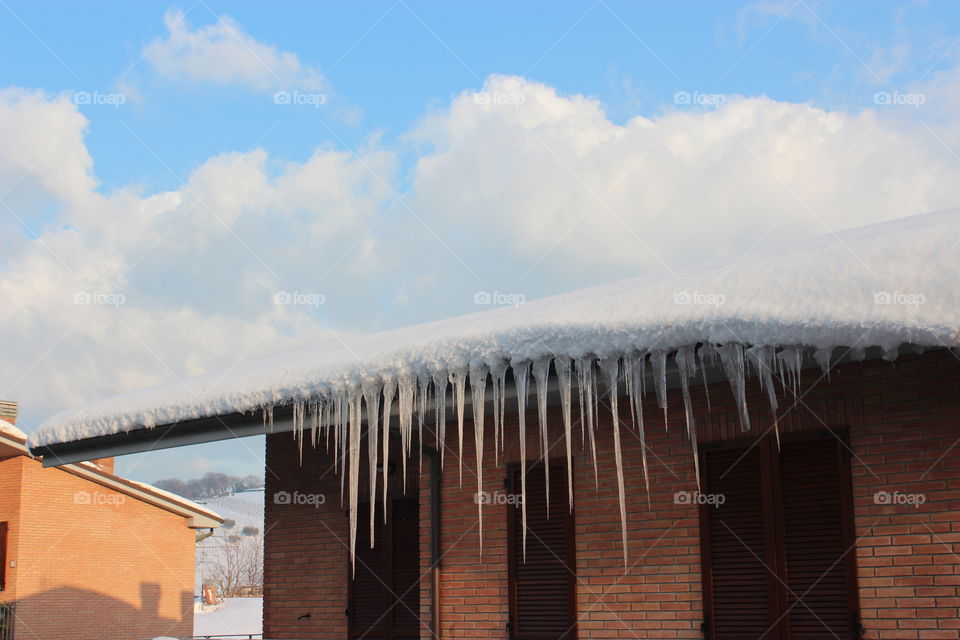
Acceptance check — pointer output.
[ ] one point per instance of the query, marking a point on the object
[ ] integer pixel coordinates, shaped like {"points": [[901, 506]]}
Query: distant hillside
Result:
{"points": [[210, 485]]}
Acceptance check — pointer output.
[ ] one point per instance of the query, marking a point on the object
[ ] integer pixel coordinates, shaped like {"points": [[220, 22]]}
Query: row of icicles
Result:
{"points": [[338, 416]]}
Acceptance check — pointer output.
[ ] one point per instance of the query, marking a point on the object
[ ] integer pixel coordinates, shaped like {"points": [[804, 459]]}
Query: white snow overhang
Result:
{"points": [[871, 291]]}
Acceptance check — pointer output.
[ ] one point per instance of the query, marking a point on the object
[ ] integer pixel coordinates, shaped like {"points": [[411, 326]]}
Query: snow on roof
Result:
{"points": [[10, 429], [173, 497], [877, 286]]}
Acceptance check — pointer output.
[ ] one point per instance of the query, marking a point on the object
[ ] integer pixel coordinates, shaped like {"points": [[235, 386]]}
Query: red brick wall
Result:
{"points": [[111, 568], [902, 418]]}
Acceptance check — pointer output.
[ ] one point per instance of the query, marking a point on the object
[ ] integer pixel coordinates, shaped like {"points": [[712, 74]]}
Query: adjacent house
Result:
{"points": [[762, 448], [86, 554]]}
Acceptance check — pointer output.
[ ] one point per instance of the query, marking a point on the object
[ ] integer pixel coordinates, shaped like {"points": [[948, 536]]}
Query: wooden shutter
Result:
{"points": [[385, 590], [738, 545], [775, 553], [542, 587], [369, 598], [817, 533], [406, 570]]}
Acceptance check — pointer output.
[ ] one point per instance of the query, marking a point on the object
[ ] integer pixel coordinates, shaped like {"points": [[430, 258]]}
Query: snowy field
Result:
{"points": [[238, 616]]}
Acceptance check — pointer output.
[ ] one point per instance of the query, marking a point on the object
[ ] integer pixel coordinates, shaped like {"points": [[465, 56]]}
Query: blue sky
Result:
{"points": [[179, 165]]}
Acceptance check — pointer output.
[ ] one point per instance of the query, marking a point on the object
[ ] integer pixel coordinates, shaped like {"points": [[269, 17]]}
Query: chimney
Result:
{"points": [[104, 464], [8, 411]]}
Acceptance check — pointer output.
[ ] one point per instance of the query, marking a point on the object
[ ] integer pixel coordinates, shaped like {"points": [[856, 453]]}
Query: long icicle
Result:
{"points": [[659, 361], [478, 389], [521, 376], [440, 410], [541, 377], [355, 427], [498, 373], [459, 380], [371, 397], [610, 368], [408, 387], [588, 387], [638, 364], [423, 399], [686, 361], [731, 356], [563, 365], [389, 390]]}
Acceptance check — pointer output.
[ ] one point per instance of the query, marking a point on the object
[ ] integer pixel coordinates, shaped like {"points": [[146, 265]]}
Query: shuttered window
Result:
{"points": [[777, 554], [542, 585], [384, 592]]}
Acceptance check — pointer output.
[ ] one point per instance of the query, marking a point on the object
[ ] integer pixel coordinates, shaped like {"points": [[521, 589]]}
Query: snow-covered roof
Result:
{"points": [[877, 286]]}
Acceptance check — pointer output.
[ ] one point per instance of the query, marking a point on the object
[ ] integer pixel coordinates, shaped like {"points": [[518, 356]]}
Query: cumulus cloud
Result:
{"points": [[556, 179], [223, 53], [516, 188]]}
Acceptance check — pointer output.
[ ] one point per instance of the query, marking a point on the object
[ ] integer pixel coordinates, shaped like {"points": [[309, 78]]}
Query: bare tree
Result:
{"points": [[236, 565]]}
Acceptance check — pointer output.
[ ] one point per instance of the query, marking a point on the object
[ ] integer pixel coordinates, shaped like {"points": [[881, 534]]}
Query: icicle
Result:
{"points": [[270, 418], [541, 376], [315, 422], [408, 388], [423, 381], [588, 392], [459, 380], [890, 355], [298, 411], [355, 427], [731, 355], [763, 357], [521, 376], [857, 353], [686, 361], [389, 390], [563, 366], [659, 361], [708, 358], [478, 390], [610, 369], [822, 356], [638, 373], [440, 410], [499, 374], [371, 396], [791, 361]]}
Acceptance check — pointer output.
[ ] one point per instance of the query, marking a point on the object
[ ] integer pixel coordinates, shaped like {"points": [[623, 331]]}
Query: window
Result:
{"points": [[542, 586], [777, 554]]}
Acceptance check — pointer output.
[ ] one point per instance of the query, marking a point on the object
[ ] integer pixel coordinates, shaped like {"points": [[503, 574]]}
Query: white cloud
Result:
{"points": [[555, 179], [223, 53], [519, 189]]}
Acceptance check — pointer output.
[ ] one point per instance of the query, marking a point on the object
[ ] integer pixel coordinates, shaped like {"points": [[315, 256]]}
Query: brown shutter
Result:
{"points": [[406, 569], [369, 599], [738, 545], [775, 553], [817, 534], [542, 588]]}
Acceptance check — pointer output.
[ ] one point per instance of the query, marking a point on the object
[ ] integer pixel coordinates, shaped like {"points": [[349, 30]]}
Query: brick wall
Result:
{"points": [[110, 568], [903, 422]]}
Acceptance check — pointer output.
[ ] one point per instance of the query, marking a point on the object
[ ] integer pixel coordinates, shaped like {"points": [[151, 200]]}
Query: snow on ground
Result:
{"points": [[246, 510], [237, 616], [882, 285]]}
